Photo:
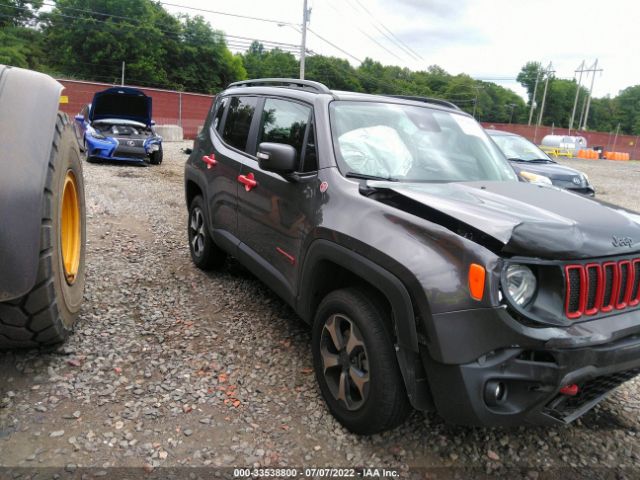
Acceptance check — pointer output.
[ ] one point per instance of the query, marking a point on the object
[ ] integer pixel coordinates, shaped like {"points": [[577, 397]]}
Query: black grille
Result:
{"points": [[601, 287], [129, 152], [131, 142], [574, 289], [636, 279], [564, 406], [592, 274], [624, 275], [608, 282]]}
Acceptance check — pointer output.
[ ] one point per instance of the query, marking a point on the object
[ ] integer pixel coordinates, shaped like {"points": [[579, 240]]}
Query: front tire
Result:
{"points": [[206, 255], [156, 157], [46, 314], [355, 364]]}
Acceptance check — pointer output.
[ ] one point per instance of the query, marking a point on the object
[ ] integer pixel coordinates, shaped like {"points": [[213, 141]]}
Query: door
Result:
{"points": [[222, 157], [275, 214]]}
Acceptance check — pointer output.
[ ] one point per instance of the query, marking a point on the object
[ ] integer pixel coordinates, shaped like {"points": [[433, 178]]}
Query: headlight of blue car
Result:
{"points": [[97, 135]]}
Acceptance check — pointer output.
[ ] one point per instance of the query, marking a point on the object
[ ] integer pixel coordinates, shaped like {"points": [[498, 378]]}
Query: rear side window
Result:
{"points": [[238, 122], [284, 122], [217, 120]]}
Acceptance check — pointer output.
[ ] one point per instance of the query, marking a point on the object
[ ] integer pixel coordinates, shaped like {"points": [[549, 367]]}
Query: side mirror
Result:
{"points": [[79, 118], [277, 157]]}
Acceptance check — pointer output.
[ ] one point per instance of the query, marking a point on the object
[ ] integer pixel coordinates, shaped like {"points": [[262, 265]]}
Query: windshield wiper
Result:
{"points": [[364, 176], [533, 160]]}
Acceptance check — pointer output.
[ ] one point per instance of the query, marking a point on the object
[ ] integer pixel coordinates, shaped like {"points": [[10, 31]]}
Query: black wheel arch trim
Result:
{"points": [[404, 322], [24, 159]]}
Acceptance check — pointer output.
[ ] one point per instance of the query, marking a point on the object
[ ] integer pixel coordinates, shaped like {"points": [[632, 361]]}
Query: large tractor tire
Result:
{"points": [[46, 314]]}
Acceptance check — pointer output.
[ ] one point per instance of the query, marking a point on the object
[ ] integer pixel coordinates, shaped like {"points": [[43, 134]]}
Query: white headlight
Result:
{"points": [[521, 284], [535, 178]]}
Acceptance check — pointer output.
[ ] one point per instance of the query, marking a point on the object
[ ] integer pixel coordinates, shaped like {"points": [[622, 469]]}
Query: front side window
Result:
{"points": [[413, 144], [236, 126], [284, 122]]}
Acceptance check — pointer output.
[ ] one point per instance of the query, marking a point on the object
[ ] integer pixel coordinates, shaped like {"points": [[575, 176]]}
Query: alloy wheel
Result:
{"points": [[196, 231], [345, 361]]}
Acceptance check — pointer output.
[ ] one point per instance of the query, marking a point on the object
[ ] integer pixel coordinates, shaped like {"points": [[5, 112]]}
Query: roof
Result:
{"points": [[308, 90]]}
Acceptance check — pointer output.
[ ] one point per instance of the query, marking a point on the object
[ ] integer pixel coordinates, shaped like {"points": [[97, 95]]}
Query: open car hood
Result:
{"points": [[123, 103], [527, 219]]}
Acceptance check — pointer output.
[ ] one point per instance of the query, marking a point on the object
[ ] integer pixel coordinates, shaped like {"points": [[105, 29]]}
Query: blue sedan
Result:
{"points": [[117, 126]]}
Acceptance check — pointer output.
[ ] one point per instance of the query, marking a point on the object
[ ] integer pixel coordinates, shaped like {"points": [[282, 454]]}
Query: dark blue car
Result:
{"points": [[117, 126], [534, 166]]}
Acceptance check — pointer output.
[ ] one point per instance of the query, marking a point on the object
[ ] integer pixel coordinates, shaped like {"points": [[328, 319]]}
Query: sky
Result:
{"points": [[487, 39]]}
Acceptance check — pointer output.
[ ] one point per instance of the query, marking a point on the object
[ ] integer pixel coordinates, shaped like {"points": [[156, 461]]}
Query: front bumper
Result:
{"points": [[110, 150], [586, 191], [531, 370]]}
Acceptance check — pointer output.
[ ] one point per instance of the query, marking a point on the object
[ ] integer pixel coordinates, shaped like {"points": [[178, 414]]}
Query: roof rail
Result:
{"points": [[435, 101], [283, 82]]}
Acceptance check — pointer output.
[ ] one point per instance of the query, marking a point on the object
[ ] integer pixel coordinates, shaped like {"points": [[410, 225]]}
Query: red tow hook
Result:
{"points": [[210, 160], [248, 181], [570, 390]]}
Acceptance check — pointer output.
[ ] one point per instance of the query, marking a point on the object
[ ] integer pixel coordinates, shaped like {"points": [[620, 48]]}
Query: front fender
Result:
{"points": [[28, 109], [396, 293]]}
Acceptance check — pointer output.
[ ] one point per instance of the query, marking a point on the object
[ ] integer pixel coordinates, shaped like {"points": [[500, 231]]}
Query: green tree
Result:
{"points": [[334, 72], [159, 49], [627, 110], [201, 61], [21, 47], [18, 12]]}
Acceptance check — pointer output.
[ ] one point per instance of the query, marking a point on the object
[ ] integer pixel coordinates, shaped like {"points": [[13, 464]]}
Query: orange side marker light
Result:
{"points": [[476, 281]]}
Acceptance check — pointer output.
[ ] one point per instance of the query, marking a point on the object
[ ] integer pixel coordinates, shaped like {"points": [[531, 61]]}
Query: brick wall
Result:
{"points": [[166, 104]]}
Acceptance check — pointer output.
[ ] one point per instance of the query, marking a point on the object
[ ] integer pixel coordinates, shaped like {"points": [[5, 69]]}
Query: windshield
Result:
{"points": [[516, 147], [413, 144]]}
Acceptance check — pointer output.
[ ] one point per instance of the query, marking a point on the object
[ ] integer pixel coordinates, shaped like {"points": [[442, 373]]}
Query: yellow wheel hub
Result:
{"points": [[70, 228]]}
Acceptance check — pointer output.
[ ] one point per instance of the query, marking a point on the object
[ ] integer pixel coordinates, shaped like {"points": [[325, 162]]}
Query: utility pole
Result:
{"points": [[513, 106], [533, 99], [306, 14], [475, 101], [615, 139], [544, 95], [593, 71], [575, 102], [122, 80]]}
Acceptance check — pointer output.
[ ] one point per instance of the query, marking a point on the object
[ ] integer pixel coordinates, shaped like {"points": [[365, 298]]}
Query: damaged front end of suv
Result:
{"points": [[531, 293], [119, 127]]}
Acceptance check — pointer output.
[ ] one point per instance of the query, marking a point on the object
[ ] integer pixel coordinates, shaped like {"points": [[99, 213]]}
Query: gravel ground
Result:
{"points": [[173, 367]]}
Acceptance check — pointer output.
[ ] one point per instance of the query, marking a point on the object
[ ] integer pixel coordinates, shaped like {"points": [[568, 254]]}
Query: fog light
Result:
{"points": [[494, 392]]}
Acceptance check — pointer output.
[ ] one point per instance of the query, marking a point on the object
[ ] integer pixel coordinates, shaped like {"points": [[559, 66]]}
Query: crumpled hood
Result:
{"points": [[531, 220], [123, 103]]}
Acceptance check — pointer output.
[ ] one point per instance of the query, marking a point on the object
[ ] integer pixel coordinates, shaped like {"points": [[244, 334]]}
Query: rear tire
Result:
{"points": [[46, 314], [355, 363], [206, 255]]}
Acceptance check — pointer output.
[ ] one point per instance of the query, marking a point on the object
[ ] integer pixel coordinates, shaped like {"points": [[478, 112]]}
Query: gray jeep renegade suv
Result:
{"points": [[431, 276]]}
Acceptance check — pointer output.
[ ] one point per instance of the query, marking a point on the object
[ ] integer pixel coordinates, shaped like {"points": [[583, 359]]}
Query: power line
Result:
{"points": [[204, 10], [390, 35], [334, 46], [367, 35], [139, 23]]}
